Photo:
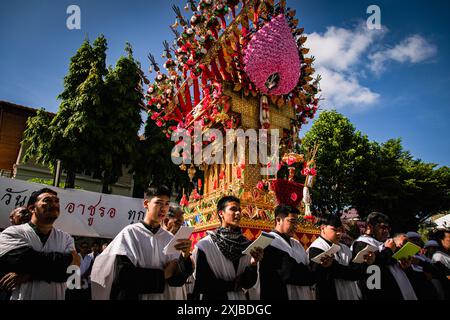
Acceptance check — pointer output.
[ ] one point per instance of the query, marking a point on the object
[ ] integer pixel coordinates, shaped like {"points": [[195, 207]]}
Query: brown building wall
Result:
{"points": [[13, 120]]}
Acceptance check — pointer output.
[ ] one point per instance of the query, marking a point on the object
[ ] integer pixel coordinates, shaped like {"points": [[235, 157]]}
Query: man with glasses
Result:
{"points": [[173, 220], [284, 272], [395, 285], [337, 274]]}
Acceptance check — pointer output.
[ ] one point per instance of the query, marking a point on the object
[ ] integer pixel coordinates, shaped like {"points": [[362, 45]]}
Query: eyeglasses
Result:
{"points": [[384, 227], [293, 221]]}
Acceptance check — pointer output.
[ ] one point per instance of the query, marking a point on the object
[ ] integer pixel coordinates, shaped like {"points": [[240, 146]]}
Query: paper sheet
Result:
{"points": [[263, 241], [334, 248], [360, 256], [183, 233]]}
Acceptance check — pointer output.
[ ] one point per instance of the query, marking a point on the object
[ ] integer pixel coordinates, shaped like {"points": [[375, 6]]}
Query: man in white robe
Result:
{"points": [[284, 272], [441, 261], [395, 284], [222, 272], [172, 223], [35, 256], [337, 275], [133, 266]]}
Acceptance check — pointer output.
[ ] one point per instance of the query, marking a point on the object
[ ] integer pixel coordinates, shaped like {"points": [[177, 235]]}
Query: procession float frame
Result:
{"points": [[239, 64]]}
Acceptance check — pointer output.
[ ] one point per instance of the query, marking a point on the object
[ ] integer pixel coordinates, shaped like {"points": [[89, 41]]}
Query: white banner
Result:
{"points": [[83, 213]]}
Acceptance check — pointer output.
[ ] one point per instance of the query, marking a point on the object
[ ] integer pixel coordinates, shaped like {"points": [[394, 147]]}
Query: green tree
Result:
{"points": [[407, 189], [121, 119], [342, 160], [73, 135], [153, 164], [97, 123], [353, 171]]}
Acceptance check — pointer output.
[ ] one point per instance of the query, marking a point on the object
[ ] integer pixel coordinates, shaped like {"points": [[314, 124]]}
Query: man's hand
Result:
{"points": [[369, 258], [326, 261], [76, 259], [257, 255], [390, 244], [405, 263], [170, 269], [184, 245], [12, 280]]}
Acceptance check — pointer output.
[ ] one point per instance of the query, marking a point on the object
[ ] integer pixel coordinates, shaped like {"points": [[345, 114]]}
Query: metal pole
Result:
{"points": [[57, 175]]}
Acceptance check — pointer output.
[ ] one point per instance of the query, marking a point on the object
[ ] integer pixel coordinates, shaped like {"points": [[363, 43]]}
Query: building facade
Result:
{"points": [[13, 121]]}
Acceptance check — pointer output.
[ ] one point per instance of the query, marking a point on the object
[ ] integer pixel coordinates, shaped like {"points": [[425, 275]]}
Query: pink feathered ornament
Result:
{"points": [[271, 59]]}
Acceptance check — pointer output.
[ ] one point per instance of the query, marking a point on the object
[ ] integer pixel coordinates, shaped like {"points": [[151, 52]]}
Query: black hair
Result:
{"points": [[223, 203], [438, 235], [375, 218], [33, 198], [154, 191], [283, 211], [172, 211], [330, 220]]}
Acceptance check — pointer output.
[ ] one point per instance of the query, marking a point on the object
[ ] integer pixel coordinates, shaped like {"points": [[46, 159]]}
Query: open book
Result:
{"points": [[360, 256], [408, 250], [263, 241], [333, 249], [183, 233]]}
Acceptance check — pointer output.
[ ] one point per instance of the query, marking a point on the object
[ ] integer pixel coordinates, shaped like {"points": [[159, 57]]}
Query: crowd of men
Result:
{"points": [[35, 258]]}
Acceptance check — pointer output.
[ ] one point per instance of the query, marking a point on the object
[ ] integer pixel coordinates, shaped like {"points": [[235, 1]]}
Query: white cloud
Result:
{"points": [[345, 56], [414, 49], [344, 91], [339, 49], [339, 53]]}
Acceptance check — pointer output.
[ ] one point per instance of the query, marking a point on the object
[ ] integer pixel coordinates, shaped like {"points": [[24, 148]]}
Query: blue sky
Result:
{"points": [[391, 83]]}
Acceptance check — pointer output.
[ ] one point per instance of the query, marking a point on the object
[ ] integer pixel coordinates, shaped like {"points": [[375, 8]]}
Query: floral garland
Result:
{"points": [[192, 62]]}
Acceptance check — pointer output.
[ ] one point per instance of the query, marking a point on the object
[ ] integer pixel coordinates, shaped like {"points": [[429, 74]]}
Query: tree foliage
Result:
{"points": [[121, 118], [153, 163], [353, 171], [96, 126]]}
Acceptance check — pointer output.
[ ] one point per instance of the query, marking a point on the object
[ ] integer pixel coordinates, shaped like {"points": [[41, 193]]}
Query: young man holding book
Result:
{"points": [[284, 273], [222, 271]]}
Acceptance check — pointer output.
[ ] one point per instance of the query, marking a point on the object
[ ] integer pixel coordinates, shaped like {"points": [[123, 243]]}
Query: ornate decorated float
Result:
{"points": [[238, 64]]}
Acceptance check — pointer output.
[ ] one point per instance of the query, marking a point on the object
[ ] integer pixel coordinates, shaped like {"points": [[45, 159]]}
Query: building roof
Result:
{"points": [[19, 107]]}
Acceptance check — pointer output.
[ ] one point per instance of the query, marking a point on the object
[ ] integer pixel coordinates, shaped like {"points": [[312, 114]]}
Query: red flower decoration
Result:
{"points": [[260, 185], [196, 195], [184, 202], [305, 171], [294, 196], [238, 172]]}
